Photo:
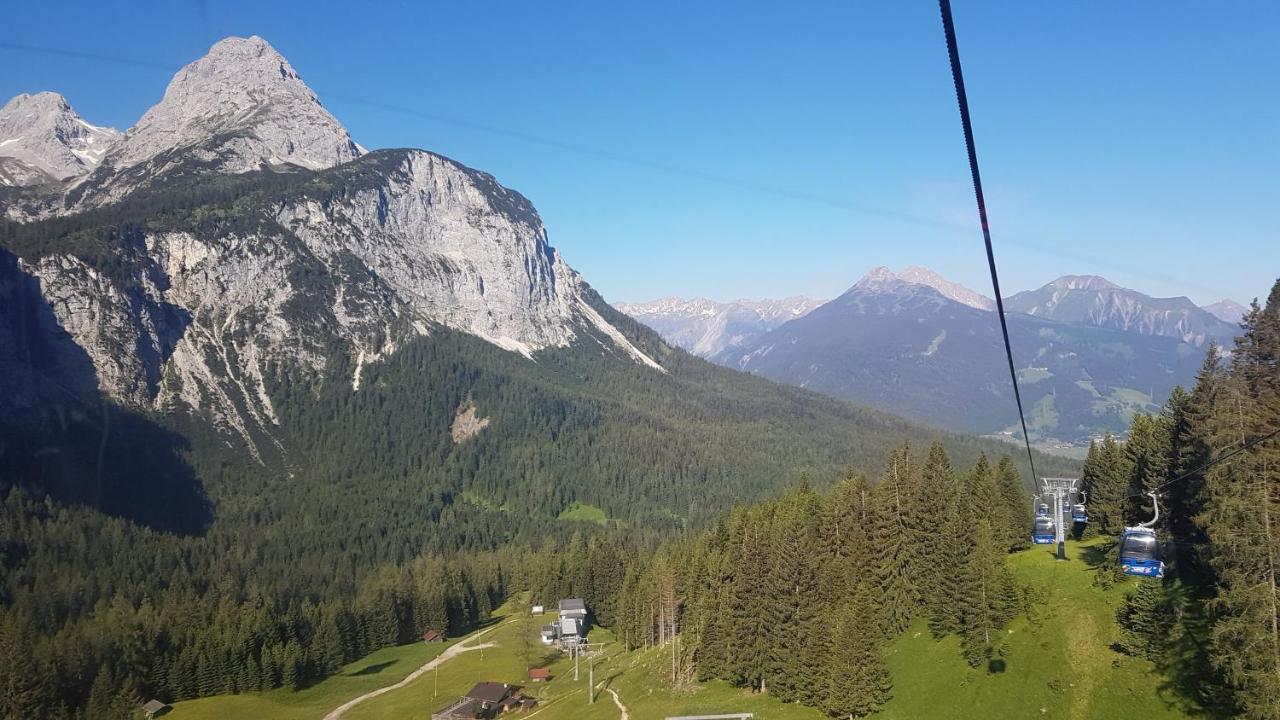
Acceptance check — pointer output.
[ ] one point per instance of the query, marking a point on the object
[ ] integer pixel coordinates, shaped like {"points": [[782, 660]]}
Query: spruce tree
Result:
{"points": [[1108, 481], [942, 528], [859, 683], [1147, 457], [989, 598], [1145, 620], [1015, 505], [794, 653], [897, 555], [1242, 516]]}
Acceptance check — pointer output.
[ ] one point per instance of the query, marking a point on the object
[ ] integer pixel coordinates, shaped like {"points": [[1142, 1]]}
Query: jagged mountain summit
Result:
{"points": [[1096, 301], [44, 140], [239, 106], [287, 245], [1228, 311], [706, 327]]}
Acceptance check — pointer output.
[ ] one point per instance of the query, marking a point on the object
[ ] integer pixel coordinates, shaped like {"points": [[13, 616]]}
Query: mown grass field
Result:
{"points": [[378, 669], [1056, 664]]}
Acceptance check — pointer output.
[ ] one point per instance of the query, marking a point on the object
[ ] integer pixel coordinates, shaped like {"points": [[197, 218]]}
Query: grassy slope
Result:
{"points": [[378, 669], [1058, 666]]}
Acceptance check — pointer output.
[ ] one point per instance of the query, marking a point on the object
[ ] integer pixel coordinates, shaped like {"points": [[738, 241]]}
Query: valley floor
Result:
{"points": [[1057, 664]]}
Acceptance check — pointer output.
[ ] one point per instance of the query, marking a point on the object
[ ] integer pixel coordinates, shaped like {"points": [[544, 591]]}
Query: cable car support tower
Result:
{"points": [[1063, 491]]}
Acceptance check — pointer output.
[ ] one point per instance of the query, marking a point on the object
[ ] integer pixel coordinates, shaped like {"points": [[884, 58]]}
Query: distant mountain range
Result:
{"points": [[1090, 353], [706, 327], [1096, 301]]}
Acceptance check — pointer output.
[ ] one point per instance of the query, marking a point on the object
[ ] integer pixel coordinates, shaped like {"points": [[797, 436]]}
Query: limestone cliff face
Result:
{"points": [[347, 255]]}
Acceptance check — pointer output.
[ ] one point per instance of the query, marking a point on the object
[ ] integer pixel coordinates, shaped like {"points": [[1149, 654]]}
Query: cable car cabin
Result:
{"points": [[1042, 511], [1044, 532], [1079, 514], [1140, 553]]}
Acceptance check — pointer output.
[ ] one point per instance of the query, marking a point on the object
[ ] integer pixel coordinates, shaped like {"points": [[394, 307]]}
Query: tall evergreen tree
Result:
{"points": [[897, 555], [1242, 516], [1147, 457], [1015, 506], [860, 683], [942, 527], [989, 599], [1107, 476]]}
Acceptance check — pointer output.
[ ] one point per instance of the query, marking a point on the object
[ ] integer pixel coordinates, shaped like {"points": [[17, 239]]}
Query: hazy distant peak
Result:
{"points": [[1227, 311], [881, 279], [1083, 282], [955, 291]]}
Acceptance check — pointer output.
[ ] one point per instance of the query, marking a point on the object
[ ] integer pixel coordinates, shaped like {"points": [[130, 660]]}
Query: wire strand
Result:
{"points": [[1209, 463], [957, 76]]}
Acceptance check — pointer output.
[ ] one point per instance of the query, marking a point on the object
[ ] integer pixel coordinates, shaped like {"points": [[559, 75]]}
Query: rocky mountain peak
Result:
{"points": [[42, 139], [240, 106], [876, 276], [1083, 282], [955, 291], [1228, 311]]}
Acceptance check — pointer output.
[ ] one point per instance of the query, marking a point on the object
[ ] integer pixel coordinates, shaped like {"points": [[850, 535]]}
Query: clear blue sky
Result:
{"points": [[1136, 140]]}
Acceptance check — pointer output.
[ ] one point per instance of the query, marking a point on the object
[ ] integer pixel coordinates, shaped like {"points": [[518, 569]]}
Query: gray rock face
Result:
{"points": [[431, 244], [245, 98], [43, 140], [194, 315]]}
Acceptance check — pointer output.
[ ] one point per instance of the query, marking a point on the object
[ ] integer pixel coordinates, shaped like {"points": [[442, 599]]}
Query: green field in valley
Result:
{"points": [[1056, 664]]}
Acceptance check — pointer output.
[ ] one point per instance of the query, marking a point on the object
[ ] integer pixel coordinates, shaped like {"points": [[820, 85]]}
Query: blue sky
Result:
{"points": [[738, 149]]}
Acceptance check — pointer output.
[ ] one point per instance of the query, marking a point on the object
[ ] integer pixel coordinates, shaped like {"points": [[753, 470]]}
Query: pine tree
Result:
{"points": [[897, 556], [1015, 504], [942, 526], [1147, 457], [21, 694], [746, 627], [1242, 516], [1145, 621], [1107, 475], [859, 683], [794, 655], [990, 597]]}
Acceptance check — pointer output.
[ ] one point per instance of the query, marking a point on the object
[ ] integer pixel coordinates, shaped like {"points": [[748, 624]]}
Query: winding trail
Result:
{"points": [[618, 701], [449, 653]]}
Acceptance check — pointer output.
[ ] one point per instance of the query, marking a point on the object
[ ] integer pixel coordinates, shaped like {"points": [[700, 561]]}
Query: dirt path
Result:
{"points": [[618, 701], [449, 653]]}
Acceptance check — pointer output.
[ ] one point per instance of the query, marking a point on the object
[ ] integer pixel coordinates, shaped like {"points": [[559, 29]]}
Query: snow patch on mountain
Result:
{"points": [[42, 139]]}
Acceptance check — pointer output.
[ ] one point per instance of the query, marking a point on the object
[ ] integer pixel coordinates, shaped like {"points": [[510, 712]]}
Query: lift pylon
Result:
{"points": [[1062, 490]]}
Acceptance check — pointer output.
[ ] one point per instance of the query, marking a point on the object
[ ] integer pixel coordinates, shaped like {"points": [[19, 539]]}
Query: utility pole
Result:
{"points": [[591, 679]]}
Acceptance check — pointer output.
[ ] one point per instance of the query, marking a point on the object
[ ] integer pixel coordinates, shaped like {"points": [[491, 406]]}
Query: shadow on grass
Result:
{"points": [[375, 668]]}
